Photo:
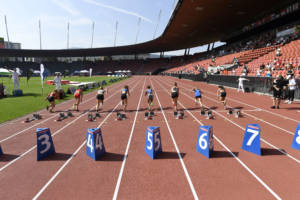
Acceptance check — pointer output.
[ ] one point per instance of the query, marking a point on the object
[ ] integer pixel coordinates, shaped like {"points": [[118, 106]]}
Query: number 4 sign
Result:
{"points": [[251, 141], [296, 140], [205, 142], [153, 141], [94, 143], [45, 146]]}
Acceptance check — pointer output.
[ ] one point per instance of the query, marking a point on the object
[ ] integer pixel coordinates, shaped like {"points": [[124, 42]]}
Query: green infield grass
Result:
{"points": [[32, 100]]}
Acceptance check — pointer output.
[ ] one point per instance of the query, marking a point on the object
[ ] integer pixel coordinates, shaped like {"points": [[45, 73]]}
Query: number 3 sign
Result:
{"points": [[205, 142], [296, 140], [153, 141], [251, 141], [45, 146]]}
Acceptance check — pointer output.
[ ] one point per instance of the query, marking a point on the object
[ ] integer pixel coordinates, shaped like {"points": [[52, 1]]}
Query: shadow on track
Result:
{"points": [[169, 155], [111, 157], [271, 152], [58, 157], [223, 154], [8, 157]]}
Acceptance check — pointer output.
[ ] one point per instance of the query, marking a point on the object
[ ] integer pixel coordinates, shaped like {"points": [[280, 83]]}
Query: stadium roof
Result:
{"points": [[193, 23]]}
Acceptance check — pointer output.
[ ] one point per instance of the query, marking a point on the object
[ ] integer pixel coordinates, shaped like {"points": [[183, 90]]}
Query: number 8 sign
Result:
{"points": [[205, 144], [296, 140], [45, 146], [251, 140], [94, 143], [153, 141]]}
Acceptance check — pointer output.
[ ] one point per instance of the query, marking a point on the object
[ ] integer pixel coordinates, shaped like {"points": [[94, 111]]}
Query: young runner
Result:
{"points": [[100, 98], [78, 95], [277, 91], [198, 97], [222, 95], [124, 93], [175, 95], [51, 98], [150, 96]]}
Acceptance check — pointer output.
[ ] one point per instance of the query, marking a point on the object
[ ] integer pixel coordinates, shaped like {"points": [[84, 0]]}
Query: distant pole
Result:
{"points": [[7, 32], [116, 32], [93, 29], [138, 30], [68, 36], [40, 34], [159, 15]]}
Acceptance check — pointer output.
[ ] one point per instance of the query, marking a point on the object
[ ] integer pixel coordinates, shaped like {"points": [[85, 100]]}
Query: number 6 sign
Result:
{"points": [[94, 143], [153, 141], [251, 140], [45, 146], [205, 142], [296, 140]]}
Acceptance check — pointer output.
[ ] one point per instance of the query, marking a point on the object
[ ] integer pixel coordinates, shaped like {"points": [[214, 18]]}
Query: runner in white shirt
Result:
{"points": [[241, 84]]}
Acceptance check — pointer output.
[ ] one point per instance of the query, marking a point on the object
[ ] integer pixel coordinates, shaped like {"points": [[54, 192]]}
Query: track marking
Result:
{"points": [[55, 133], [69, 160], [55, 115], [177, 149], [127, 147], [266, 142], [225, 147]]}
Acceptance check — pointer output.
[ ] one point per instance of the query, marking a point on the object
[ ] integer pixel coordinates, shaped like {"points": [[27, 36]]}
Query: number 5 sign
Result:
{"points": [[94, 143], [296, 140], [205, 142], [153, 141], [45, 146], [251, 141]]}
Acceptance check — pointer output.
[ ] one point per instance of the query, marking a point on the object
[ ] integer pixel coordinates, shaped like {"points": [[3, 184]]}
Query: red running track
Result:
{"points": [[179, 172]]}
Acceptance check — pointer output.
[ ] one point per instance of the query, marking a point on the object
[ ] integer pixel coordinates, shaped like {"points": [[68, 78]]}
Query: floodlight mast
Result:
{"points": [[8, 44], [93, 29]]}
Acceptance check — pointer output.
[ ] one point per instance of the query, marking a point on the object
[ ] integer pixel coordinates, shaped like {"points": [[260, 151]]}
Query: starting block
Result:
{"points": [[149, 115], [202, 112], [69, 114], [94, 143], [179, 115], [61, 117], [205, 142], [236, 112], [296, 140], [45, 146], [209, 115], [34, 117], [121, 116], [153, 141], [251, 140]]}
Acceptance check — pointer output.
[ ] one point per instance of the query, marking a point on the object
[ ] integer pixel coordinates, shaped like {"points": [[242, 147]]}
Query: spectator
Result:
{"points": [[278, 52], [291, 89]]}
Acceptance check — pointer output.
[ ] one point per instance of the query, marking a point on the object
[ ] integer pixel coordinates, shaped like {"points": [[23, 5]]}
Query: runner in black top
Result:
{"points": [[277, 87], [222, 95], [150, 96], [175, 95], [51, 98]]}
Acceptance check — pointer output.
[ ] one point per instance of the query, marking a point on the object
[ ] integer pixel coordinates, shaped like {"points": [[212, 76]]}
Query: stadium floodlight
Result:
{"points": [[159, 15], [68, 36], [93, 29], [40, 33], [7, 32], [138, 30], [116, 32]]}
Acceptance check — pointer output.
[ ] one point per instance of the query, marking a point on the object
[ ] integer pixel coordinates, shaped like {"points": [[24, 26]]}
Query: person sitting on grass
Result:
{"points": [[198, 97], [51, 98], [78, 95]]}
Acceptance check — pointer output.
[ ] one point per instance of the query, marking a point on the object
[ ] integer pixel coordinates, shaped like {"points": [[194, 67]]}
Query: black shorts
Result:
{"points": [[150, 97], [174, 95], [223, 94], [277, 94], [123, 96], [100, 96], [51, 99], [198, 97]]}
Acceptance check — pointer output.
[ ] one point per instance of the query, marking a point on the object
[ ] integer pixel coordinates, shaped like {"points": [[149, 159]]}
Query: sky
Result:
{"points": [[23, 19]]}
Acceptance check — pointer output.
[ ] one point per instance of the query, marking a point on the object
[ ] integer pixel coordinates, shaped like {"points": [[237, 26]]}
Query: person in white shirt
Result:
{"points": [[291, 89], [57, 81], [15, 78], [241, 84], [100, 98], [258, 71]]}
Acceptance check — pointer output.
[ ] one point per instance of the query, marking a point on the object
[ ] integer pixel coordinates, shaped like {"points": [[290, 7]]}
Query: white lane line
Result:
{"points": [[177, 149], [69, 160], [55, 133], [127, 147], [278, 115], [227, 149], [262, 139], [18, 133]]}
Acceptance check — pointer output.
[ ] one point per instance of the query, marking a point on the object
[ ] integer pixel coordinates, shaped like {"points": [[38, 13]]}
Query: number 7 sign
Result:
{"points": [[251, 140]]}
